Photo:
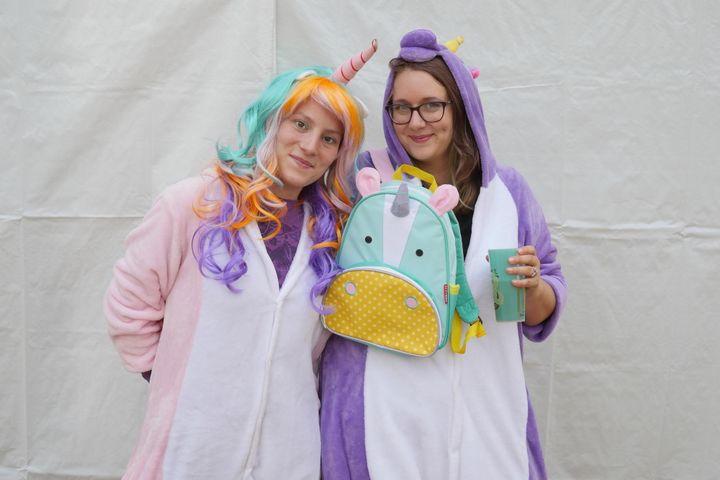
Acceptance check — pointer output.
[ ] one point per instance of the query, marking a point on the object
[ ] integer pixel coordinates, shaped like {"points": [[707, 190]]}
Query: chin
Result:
{"points": [[421, 157], [301, 182]]}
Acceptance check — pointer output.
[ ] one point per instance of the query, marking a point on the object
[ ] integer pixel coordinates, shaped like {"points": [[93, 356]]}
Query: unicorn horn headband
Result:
{"points": [[347, 70]]}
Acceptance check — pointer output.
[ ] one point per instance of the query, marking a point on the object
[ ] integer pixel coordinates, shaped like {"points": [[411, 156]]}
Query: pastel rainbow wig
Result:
{"points": [[241, 192]]}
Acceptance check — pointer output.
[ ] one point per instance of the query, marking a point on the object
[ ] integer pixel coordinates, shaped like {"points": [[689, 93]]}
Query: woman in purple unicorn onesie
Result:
{"points": [[219, 291], [448, 416]]}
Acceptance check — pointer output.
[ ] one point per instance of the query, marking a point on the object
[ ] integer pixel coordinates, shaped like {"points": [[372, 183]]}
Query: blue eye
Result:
{"points": [[431, 107]]}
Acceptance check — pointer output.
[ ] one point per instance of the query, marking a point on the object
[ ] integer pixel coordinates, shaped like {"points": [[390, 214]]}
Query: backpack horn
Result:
{"points": [[401, 205]]}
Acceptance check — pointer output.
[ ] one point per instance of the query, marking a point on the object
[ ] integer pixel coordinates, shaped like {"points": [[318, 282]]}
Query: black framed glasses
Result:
{"points": [[431, 112]]}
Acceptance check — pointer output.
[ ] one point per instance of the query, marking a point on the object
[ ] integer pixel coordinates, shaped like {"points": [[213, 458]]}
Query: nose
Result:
{"points": [[310, 143], [416, 121]]}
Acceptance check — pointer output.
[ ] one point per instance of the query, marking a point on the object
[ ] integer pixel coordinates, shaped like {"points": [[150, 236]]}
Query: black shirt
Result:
{"points": [[465, 223]]}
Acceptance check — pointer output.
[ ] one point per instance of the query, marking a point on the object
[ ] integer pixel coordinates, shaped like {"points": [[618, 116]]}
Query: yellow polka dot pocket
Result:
{"points": [[384, 309]]}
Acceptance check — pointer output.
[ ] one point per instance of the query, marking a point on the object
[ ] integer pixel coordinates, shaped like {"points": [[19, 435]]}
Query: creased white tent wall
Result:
{"points": [[610, 109]]}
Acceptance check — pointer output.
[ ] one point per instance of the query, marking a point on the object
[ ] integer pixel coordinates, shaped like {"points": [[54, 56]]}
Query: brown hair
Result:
{"points": [[466, 171]]}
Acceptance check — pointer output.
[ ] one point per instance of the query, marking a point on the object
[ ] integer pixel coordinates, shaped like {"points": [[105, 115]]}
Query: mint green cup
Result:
{"points": [[509, 300]]}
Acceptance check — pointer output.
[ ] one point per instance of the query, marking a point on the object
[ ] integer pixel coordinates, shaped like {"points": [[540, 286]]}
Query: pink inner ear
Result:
{"points": [[367, 181], [445, 198]]}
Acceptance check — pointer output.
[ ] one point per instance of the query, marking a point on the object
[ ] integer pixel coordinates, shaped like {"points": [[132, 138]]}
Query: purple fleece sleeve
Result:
{"points": [[363, 160], [532, 230]]}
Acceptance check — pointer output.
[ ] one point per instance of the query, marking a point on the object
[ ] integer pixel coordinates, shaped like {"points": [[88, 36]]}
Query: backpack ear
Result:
{"points": [[367, 181], [444, 199]]}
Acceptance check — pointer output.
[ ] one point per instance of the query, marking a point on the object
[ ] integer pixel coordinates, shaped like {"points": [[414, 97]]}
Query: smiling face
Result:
{"points": [[308, 141], [423, 141]]}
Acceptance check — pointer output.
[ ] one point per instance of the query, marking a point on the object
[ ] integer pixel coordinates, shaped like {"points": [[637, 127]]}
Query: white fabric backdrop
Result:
{"points": [[610, 110]]}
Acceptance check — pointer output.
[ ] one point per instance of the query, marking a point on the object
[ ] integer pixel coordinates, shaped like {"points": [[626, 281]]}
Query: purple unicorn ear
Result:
{"points": [[347, 70]]}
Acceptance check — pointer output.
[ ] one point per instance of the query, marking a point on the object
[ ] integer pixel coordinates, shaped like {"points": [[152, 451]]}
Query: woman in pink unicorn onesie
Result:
{"points": [[219, 292]]}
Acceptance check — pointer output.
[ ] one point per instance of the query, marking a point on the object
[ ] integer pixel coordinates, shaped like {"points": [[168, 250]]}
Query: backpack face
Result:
{"points": [[416, 244], [396, 291]]}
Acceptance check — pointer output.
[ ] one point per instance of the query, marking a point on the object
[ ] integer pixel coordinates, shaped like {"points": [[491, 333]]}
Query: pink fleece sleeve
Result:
{"points": [[134, 303]]}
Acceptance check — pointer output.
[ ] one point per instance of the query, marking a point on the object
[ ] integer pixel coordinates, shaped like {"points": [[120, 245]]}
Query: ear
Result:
{"points": [[444, 199], [367, 181]]}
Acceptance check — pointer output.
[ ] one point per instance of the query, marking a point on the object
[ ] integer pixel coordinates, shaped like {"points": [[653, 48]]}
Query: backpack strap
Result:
{"points": [[474, 330], [466, 310], [465, 306], [382, 163]]}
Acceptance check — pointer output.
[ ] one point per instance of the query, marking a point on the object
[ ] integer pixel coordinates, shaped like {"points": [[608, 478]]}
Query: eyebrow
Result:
{"points": [[422, 100], [308, 120]]}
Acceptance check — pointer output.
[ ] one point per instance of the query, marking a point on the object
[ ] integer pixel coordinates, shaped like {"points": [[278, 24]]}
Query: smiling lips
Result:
{"points": [[420, 138], [302, 162]]}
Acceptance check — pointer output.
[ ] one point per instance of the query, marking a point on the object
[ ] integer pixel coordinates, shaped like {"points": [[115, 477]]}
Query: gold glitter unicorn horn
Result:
{"points": [[453, 44]]}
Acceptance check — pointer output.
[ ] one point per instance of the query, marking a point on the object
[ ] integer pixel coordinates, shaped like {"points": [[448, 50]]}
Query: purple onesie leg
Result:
{"points": [[536, 464], [342, 419]]}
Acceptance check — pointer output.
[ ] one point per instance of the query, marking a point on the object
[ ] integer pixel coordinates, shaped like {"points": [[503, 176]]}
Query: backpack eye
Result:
{"points": [[368, 239], [419, 252]]}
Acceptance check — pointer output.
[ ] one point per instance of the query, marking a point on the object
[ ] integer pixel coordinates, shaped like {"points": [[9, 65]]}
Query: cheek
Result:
{"points": [[328, 156], [401, 136], [282, 140], [447, 132], [331, 157]]}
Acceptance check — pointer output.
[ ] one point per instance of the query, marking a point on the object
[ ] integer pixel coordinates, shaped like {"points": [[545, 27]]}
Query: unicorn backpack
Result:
{"points": [[403, 285]]}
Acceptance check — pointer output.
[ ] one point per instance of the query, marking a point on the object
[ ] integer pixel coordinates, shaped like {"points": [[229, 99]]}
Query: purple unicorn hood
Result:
{"points": [[420, 46]]}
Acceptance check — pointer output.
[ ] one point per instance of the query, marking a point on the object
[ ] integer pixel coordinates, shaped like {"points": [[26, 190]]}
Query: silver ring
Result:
{"points": [[534, 272]]}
